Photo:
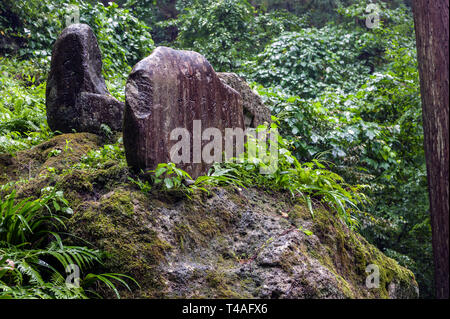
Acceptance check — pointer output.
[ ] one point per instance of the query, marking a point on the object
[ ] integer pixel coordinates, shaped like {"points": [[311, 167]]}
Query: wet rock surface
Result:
{"points": [[255, 112], [168, 90], [77, 97], [236, 244], [232, 243]]}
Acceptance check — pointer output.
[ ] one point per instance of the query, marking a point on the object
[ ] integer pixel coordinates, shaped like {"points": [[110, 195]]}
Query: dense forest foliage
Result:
{"points": [[345, 94]]}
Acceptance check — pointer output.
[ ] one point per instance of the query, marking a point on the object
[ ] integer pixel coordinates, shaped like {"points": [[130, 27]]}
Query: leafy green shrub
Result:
{"points": [[311, 182], [123, 39], [228, 32], [359, 129], [152, 13], [33, 255], [166, 177], [108, 153], [315, 12], [23, 120], [221, 30], [307, 62], [372, 132], [271, 24]]}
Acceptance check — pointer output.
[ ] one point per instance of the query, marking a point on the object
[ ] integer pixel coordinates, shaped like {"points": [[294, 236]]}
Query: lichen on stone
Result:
{"points": [[230, 243]]}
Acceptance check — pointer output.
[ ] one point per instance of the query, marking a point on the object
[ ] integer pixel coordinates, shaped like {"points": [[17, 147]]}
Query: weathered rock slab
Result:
{"points": [[255, 112], [235, 246], [76, 96], [171, 89]]}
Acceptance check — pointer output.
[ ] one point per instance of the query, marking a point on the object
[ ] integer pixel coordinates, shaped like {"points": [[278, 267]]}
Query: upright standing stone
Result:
{"points": [[76, 96], [255, 112], [171, 89]]}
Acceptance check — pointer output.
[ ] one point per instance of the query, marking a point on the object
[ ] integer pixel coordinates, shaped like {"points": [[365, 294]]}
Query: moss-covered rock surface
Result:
{"points": [[230, 243]]}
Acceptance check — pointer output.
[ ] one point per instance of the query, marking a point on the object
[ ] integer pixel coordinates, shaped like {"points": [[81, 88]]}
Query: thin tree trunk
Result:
{"points": [[431, 24]]}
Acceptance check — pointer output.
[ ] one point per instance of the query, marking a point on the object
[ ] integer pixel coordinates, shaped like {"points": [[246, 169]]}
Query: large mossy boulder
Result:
{"points": [[230, 243]]}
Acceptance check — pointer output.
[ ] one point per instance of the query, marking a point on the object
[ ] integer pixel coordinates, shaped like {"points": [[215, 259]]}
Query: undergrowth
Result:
{"points": [[35, 261], [310, 182]]}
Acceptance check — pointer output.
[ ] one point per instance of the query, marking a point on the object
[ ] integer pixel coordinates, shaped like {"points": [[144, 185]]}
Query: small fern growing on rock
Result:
{"points": [[33, 256]]}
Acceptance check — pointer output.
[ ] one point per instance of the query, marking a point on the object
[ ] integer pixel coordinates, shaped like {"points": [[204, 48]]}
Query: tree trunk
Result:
{"points": [[431, 24]]}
